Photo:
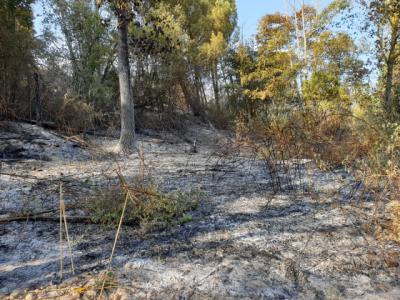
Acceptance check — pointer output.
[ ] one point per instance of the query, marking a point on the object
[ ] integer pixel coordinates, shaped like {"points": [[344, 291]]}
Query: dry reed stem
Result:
{"points": [[63, 219], [61, 237], [66, 231], [128, 195]]}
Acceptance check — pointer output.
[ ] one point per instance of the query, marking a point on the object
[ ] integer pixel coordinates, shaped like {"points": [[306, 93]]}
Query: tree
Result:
{"points": [[336, 70], [89, 47], [337, 54], [243, 64], [385, 14], [274, 75], [223, 21], [322, 89], [124, 12], [207, 27], [127, 138], [16, 57], [213, 51]]}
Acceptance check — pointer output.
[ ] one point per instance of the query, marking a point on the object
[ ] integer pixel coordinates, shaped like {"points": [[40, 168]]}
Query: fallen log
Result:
{"points": [[21, 176], [41, 216], [56, 219], [44, 124]]}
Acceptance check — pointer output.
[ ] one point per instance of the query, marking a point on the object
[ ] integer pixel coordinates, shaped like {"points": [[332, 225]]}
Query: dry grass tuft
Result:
{"points": [[393, 227]]}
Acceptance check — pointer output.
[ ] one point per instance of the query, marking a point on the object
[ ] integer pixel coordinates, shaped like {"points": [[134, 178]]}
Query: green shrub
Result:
{"points": [[147, 207]]}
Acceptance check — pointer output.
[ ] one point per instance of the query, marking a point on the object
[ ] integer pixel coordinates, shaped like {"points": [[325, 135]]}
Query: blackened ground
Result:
{"points": [[246, 240]]}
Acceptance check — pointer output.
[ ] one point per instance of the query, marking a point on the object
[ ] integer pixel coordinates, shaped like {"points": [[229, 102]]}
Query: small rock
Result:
{"points": [[91, 282], [90, 294], [52, 294], [121, 294], [30, 296], [75, 295], [15, 294], [116, 297]]}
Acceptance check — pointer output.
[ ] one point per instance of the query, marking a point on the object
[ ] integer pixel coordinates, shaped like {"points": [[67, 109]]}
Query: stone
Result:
{"points": [[75, 295], [15, 294], [30, 296], [91, 294]]}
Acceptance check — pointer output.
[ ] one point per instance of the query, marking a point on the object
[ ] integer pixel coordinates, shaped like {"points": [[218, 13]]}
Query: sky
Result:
{"points": [[251, 11]]}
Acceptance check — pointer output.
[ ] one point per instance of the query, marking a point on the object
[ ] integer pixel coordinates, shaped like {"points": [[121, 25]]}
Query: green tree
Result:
{"points": [[322, 89], [336, 70], [16, 56], [198, 35], [274, 74], [385, 15], [89, 44], [338, 54], [223, 21], [124, 12]]}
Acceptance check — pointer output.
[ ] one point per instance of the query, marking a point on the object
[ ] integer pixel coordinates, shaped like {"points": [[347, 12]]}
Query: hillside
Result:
{"points": [[244, 240]]}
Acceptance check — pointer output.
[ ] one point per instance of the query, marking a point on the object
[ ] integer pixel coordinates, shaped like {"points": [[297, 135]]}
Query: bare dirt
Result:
{"points": [[245, 241]]}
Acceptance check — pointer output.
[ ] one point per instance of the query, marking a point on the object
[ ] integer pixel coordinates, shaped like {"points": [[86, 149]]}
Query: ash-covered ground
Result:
{"points": [[246, 240]]}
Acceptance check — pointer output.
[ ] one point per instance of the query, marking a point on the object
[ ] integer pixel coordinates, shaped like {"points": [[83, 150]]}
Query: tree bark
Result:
{"points": [[388, 86], [199, 86], [38, 102], [390, 60], [214, 77], [191, 99], [304, 38], [127, 138]]}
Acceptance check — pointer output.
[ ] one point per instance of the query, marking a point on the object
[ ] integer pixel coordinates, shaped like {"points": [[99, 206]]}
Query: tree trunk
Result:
{"points": [[304, 38], [390, 64], [191, 99], [127, 138], [198, 84], [298, 42], [214, 76], [388, 86], [38, 102]]}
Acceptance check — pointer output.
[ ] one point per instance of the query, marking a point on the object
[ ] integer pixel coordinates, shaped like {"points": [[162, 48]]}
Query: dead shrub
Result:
{"points": [[220, 118], [169, 119], [392, 231], [368, 146], [75, 115], [327, 137]]}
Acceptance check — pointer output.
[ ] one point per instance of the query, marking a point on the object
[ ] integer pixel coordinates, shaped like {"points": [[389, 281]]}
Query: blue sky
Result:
{"points": [[251, 11]]}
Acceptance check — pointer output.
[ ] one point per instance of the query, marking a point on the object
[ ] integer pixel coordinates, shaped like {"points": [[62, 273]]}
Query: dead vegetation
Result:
{"points": [[366, 147], [254, 190]]}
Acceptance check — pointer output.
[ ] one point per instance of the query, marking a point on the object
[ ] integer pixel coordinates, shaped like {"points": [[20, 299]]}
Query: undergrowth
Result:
{"points": [[364, 143], [149, 208]]}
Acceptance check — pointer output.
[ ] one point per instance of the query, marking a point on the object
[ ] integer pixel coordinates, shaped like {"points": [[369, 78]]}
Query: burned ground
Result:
{"points": [[246, 240]]}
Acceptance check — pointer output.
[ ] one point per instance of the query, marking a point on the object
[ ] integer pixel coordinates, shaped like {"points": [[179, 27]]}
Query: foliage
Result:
{"points": [[323, 88], [75, 115], [150, 209], [384, 16], [89, 47], [273, 76], [16, 61]]}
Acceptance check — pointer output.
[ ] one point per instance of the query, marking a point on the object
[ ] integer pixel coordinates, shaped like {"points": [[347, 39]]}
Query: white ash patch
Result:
{"points": [[245, 241], [27, 141]]}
